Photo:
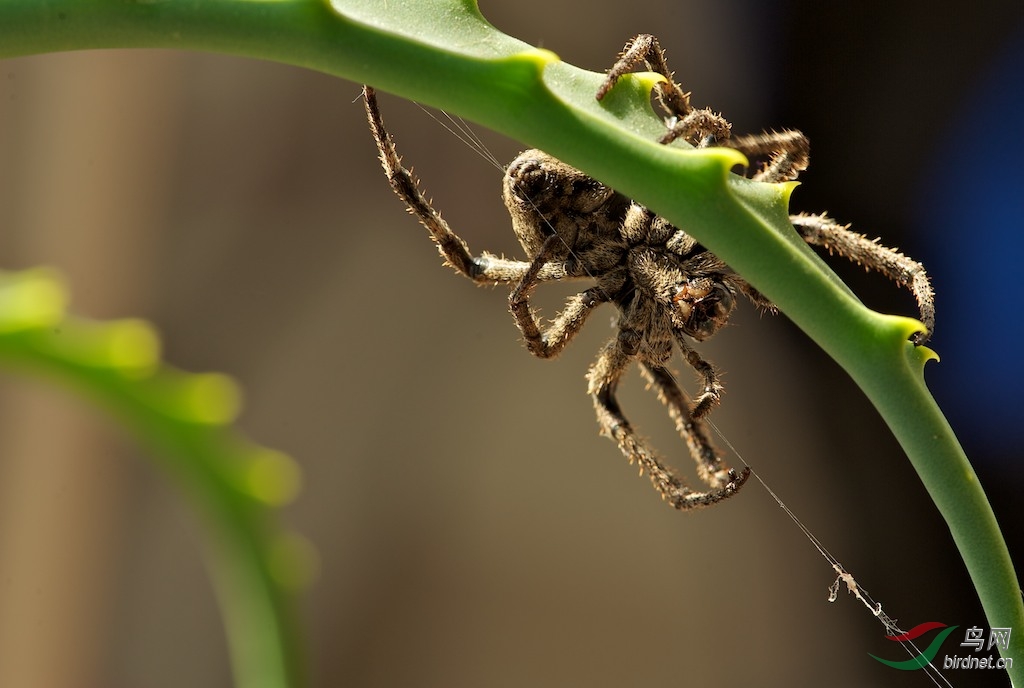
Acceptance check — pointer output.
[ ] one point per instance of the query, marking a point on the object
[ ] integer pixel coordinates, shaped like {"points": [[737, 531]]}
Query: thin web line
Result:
{"points": [[843, 577]]}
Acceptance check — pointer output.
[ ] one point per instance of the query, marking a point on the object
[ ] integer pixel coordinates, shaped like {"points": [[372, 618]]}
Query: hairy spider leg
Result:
{"points": [[700, 127], [603, 379], [483, 269], [711, 395], [549, 342], [645, 48], [789, 153], [710, 467], [820, 230]]}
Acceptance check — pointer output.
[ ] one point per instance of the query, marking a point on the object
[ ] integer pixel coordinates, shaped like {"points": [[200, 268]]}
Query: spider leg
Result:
{"points": [[710, 467], [548, 343], [700, 128], [789, 151], [483, 269], [711, 395], [645, 48], [755, 297], [819, 230], [603, 379]]}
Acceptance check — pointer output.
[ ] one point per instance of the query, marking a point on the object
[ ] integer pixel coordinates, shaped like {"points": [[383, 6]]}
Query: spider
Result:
{"points": [[668, 289]]}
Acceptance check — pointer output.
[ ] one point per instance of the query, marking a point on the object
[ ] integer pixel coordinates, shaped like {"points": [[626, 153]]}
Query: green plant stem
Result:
{"points": [[442, 53], [182, 419]]}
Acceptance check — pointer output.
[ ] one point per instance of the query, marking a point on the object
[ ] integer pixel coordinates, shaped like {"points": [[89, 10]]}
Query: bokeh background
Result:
{"points": [[473, 528]]}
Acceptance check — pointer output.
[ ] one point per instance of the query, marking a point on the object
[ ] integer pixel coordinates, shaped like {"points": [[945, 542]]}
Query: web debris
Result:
{"points": [[843, 577]]}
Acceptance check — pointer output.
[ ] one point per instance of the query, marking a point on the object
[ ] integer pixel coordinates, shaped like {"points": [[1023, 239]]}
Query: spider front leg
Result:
{"points": [[483, 269], [819, 230], [604, 378]]}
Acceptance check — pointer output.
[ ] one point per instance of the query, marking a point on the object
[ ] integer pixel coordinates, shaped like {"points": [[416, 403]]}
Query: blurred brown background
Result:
{"points": [[473, 528]]}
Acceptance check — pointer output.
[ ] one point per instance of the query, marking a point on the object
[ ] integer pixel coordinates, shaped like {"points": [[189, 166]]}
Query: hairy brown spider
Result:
{"points": [[667, 287]]}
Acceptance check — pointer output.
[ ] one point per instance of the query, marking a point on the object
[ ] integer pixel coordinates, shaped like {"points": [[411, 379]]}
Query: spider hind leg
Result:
{"points": [[603, 378]]}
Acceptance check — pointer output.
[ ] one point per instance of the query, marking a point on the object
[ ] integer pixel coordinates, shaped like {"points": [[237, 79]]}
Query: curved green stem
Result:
{"points": [[444, 54], [182, 418]]}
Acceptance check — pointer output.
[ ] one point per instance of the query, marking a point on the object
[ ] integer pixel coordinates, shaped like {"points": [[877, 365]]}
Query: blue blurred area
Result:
{"points": [[971, 208]]}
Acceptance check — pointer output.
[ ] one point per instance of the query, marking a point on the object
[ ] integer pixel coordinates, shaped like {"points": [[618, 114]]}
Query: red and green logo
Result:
{"points": [[922, 658]]}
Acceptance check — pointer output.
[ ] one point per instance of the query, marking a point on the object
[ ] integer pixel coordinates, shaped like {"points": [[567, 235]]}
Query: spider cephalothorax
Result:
{"points": [[668, 289]]}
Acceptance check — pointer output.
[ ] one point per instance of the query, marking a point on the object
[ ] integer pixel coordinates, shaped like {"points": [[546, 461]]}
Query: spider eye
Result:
{"points": [[702, 307]]}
